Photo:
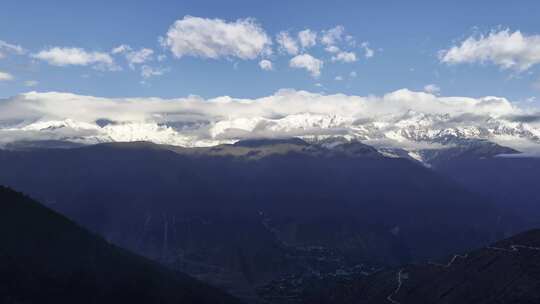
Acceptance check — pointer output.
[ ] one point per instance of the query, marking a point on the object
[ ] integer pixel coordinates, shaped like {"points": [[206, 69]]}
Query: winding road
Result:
{"points": [[512, 248], [400, 282], [451, 262]]}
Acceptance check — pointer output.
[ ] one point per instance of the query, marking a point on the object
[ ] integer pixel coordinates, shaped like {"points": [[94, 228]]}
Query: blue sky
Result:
{"points": [[404, 36]]}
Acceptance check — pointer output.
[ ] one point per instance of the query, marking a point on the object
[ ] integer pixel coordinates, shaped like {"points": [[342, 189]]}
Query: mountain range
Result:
{"points": [[244, 216], [411, 126], [239, 216]]}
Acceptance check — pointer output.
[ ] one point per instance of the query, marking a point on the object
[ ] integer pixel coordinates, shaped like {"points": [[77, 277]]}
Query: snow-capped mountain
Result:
{"points": [[411, 131], [403, 119]]}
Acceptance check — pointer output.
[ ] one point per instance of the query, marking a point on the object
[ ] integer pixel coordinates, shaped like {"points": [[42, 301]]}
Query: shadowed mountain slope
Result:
{"points": [[241, 215], [505, 272], [500, 174], [46, 258]]}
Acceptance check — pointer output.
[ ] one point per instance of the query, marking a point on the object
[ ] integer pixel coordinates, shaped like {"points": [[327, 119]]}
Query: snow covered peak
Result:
{"points": [[402, 119]]}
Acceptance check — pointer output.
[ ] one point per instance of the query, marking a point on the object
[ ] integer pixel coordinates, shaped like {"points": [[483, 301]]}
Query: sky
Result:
{"points": [[252, 49]]}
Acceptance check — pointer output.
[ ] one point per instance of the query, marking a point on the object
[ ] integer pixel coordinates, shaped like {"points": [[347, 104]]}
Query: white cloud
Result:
{"points": [[121, 49], [333, 35], [368, 53], [308, 62], [11, 48], [509, 50], [139, 57], [338, 78], [266, 65], [353, 74], [286, 43], [31, 83], [345, 57], [64, 56], [57, 106], [350, 40], [133, 57], [432, 89], [307, 38], [4, 76], [148, 71], [332, 49], [216, 38]]}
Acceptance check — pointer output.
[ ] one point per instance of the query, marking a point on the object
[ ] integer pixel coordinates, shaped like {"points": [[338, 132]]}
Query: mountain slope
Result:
{"points": [[505, 272], [506, 178], [46, 258], [241, 215]]}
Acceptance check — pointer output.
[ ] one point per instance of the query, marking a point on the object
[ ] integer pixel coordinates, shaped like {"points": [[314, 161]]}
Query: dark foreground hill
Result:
{"points": [[505, 272], [46, 258], [242, 215]]}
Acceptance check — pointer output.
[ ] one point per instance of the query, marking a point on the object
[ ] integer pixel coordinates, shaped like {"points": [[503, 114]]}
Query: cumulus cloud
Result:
{"points": [[345, 57], [432, 89], [368, 53], [65, 56], [134, 57], [307, 38], [509, 50], [4, 76], [307, 62], [11, 49], [287, 44], [266, 65], [332, 49], [121, 49], [217, 38], [148, 71], [333, 35]]}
